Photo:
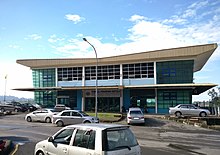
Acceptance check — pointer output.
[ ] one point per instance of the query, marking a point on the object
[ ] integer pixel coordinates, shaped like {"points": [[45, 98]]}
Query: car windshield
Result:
{"points": [[83, 113], [117, 139]]}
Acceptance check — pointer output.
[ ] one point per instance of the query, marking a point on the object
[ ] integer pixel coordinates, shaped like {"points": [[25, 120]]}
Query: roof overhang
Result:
{"points": [[199, 53], [196, 88]]}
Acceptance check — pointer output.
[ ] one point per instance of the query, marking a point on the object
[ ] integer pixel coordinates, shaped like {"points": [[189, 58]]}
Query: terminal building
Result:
{"points": [[152, 80]]}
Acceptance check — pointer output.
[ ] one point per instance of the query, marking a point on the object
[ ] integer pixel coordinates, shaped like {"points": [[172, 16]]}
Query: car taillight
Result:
{"points": [[141, 117], [129, 117]]}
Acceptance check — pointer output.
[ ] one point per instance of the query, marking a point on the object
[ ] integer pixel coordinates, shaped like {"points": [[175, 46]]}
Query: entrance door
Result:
{"points": [[150, 105]]}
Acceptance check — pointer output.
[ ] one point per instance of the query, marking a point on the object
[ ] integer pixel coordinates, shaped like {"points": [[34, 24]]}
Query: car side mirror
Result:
{"points": [[50, 139]]}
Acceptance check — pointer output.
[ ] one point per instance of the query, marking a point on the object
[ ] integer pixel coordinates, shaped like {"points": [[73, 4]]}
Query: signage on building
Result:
{"points": [[102, 93]]}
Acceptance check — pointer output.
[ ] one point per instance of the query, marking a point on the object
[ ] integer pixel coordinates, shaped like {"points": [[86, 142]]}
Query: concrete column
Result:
{"points": [[121, 99], [83, 101], [156, 105]]}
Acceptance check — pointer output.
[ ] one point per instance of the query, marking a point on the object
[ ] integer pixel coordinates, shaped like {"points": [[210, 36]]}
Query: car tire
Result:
{"points": [[39, 153], [178, 114], [60, 123], [29, 119], [87, 122], [16, 110], [48, 120], [202, 114], [2, 110]]}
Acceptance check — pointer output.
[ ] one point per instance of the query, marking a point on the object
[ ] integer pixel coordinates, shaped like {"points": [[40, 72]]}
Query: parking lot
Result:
{"points": [[157, 136]]}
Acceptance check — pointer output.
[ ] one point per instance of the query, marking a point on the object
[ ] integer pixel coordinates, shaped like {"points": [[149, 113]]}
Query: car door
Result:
{"points": [[66, 117], [42, 114], [184, 109], [76, 117], [35, 115], [84, 143], [60, 143], [193, 110]]}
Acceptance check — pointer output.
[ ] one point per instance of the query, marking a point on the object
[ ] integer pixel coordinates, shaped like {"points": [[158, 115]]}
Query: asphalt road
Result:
{"points": [[158, 136]]}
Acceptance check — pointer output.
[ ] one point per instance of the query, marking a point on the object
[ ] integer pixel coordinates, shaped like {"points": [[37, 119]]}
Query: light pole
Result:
{"points": [[96, 79]]}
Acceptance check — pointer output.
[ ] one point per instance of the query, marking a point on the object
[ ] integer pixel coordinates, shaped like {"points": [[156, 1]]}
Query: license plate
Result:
{"points": [[136, 118]]}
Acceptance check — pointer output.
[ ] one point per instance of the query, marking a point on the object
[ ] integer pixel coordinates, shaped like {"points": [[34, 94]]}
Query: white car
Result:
{"points": [[67, 117], [43, 115], [135, 116], [90, 139], [188, 110]]}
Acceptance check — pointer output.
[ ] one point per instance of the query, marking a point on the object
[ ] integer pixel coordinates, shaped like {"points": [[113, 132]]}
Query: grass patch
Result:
{"points": [[106, 116]]}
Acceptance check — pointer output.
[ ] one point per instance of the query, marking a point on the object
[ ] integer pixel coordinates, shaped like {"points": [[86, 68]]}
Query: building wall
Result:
{"points": [[44, 78], [175, 72], [170, 98], [132, 75]]}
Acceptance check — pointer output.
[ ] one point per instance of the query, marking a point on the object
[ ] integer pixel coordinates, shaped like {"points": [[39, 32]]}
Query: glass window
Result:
{"points": [[104, 72], [64, 136], [119, 138], [69, 74], [85, 139], [65, 114], [138, 70], [76, 114]]}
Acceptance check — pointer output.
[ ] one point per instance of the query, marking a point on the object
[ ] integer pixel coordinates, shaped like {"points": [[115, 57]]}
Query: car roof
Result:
{"points": [[98, 126], [134, 109], [70, 110]]}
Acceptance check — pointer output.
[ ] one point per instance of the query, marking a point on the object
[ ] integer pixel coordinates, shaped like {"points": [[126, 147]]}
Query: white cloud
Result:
{"points": [[34, 37], [17, 47], [17, 77], [136, 18], [75, 18], [53, 39]]}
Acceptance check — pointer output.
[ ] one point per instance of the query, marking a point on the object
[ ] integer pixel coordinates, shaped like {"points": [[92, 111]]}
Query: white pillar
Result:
{"points": [[121, 99], [156, 106], [83, 101]]}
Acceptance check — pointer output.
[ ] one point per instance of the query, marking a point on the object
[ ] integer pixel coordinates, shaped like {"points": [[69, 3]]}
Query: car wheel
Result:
{"points": [[39, 153], [203, 114], [16, 110], [48, 120], [60, 123], [87, 122], [29, 119], [2, 110], [178, 114]]}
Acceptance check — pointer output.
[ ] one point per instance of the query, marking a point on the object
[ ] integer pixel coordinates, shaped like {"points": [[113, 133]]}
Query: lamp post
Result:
{"points": [[96, 82]]}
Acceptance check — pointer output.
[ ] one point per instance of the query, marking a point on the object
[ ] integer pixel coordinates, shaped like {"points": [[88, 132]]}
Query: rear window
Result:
{"points": [[135, 112], [117, 139]]}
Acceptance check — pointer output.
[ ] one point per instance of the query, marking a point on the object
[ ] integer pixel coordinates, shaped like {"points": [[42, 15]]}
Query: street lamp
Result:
{"points": [[96, 82]]}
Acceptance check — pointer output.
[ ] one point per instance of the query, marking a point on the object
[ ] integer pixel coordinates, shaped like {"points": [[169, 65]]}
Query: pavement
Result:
{"points": [[7, 147]]}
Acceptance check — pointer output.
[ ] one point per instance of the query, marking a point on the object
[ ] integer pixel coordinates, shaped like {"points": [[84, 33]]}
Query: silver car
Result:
{"points": [[43, 115], [188, 110], [90, 139], [67, 117], [135, 116]]}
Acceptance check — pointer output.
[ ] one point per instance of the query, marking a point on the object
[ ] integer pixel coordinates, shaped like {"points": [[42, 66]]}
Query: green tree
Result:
{"points": [[215, 96]]}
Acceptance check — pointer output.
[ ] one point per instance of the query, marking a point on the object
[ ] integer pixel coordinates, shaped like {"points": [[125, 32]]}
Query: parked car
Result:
{"points": [[135, 116], [188, 110], [67, 117], [9, 108], [18, 104], [43, 115], [30, 107], [81, 139], [61, 107]]}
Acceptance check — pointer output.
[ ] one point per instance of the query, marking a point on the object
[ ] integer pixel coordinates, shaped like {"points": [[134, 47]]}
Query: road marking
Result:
{"points": [[15, 150]]}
